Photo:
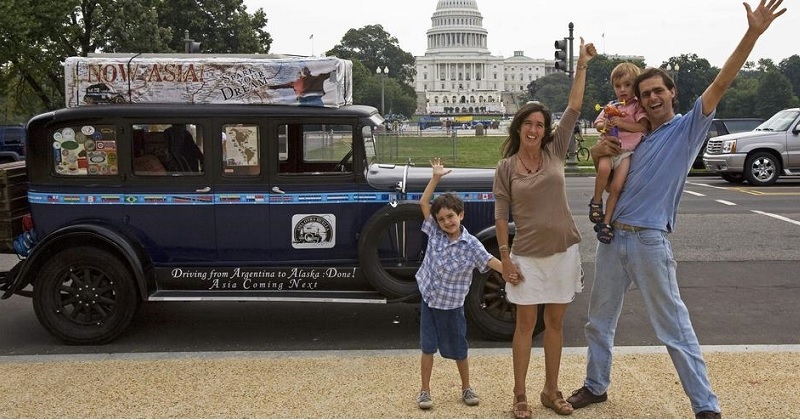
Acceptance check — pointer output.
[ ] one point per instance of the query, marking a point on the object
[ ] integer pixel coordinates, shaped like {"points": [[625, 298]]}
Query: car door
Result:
{"points": [[314, 192]]}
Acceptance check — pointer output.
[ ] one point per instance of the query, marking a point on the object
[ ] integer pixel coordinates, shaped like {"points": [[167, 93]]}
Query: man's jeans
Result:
{"points": [[643, 259]]}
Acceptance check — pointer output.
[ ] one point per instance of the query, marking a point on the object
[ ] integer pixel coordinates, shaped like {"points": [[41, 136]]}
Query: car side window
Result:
{"points": [[315, 148], [87, 150], [240, 150], [167, 149]]}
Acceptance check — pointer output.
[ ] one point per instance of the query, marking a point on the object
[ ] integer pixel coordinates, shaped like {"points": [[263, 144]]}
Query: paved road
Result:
{"points": [[737, 268]]}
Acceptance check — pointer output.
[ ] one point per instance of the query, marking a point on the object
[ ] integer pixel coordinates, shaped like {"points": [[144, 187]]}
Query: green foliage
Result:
{"points": [[36, 35], [790, 67], [372, 47], [773, 93], [553, 91], [221, 26]]}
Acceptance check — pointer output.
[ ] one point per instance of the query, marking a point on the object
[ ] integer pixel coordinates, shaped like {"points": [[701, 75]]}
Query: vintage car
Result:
{"points": [[273, 203]]}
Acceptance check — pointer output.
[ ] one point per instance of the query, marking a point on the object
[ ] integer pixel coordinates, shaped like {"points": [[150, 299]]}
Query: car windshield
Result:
{"points": [[368, 134], [779, 121]]}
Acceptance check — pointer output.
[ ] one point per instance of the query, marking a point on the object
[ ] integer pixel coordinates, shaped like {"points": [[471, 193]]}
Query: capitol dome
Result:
{"points": [[457, 26]]}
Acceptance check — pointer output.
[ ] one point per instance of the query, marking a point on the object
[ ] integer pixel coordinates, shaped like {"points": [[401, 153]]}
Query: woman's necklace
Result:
{"points": [[538, 168]]}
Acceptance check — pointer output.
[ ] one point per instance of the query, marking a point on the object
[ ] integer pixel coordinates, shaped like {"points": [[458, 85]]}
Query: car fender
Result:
{"points": [[489, 234], [106, 236]]}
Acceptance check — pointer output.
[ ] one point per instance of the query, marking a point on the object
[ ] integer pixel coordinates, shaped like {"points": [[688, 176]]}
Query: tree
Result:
{"points": [[692, 78], [774, 93], [221, 26], [553, 91], [790, 67], [372, 47], [35, 36]]}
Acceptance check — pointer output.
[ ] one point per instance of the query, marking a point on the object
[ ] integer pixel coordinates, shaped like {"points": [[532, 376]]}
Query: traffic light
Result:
{"points": [[561, 54]]}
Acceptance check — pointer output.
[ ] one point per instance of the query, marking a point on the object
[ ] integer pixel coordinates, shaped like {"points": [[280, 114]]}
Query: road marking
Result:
{"points": [[694, 193], [785, 219], [725, 202], [756, 192], [709, 186]]}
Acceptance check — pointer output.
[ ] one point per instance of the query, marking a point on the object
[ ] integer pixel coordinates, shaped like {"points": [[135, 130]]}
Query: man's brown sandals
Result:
{"points": [[557, 404], [521, 409]]}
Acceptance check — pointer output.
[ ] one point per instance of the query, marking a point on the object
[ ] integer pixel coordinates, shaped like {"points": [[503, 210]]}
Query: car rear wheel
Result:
{"points": [[762, 168], [85, 295], [488, 310]]}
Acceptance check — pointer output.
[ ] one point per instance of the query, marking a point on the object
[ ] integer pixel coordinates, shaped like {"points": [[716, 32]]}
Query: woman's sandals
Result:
{"points": [[521, 408], [557, 404]]}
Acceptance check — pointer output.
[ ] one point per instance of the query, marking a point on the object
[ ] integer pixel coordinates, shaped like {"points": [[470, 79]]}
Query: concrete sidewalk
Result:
{"points": [[751, 382]]}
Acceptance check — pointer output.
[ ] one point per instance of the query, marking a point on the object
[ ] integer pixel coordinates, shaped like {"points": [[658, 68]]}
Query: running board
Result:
{"points": [[265, 296]]}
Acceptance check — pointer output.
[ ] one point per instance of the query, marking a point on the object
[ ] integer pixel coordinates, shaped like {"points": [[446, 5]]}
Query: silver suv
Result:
{"points": [[760, 156]]}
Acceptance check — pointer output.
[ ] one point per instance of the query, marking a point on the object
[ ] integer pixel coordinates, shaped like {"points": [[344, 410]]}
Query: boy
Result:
{"points": [[631, 125], [444, 280]]}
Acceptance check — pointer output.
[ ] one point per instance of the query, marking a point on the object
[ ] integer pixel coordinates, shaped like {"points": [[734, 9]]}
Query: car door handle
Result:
{"points": [[277, 190], [203, 190]]}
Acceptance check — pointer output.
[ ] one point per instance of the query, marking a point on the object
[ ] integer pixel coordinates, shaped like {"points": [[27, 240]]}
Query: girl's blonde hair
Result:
{"points": [[625, 69]]}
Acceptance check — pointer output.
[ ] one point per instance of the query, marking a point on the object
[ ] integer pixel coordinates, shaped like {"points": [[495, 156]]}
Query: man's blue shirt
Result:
{"points": [[659, 167]]}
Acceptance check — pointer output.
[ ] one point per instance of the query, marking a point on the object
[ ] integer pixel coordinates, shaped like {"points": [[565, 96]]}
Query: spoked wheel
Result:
{"points": [[85, 296], [583, 154], [489, 311], [390, 249]]}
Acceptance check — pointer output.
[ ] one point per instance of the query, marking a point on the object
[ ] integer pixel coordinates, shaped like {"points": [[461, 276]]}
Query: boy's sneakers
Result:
{"points": [[424, 400], [469, 397]]}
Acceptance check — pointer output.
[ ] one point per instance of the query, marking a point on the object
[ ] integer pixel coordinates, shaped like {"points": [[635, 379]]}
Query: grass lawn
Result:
{"points": [[464, 152]]}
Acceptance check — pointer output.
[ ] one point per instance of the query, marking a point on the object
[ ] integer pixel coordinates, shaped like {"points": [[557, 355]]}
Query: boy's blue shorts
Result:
{"points": [[443, 329]]}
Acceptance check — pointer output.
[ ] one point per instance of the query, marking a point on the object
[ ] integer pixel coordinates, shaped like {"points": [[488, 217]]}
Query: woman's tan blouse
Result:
{"points": [[538, 201]]}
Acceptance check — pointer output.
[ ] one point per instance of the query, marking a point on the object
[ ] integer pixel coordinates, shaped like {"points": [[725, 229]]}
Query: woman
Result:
{"points": [[544, 266]]}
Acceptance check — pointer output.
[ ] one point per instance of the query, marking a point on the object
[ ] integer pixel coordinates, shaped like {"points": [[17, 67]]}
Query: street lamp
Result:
{"points": [[383, 73], [673, 70]]}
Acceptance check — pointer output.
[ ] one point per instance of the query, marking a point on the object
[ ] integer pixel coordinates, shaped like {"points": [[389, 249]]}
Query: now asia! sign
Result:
{"points": [[197, 78]]}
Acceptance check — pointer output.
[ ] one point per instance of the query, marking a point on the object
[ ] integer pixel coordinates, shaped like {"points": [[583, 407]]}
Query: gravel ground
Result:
{"points": [[381, 384]]}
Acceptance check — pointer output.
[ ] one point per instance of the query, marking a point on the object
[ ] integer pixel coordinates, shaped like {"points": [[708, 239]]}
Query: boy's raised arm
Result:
{"points": [[438, 172]]}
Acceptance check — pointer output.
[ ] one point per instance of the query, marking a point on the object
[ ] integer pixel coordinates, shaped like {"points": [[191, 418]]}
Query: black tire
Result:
{"points": [[733, 178], [488, 310], [390, 249], [583, 154], [762, 168], [85, 295]]}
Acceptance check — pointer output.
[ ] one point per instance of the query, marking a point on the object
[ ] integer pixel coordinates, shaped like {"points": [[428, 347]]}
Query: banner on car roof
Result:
{"points": [[205, 79]]}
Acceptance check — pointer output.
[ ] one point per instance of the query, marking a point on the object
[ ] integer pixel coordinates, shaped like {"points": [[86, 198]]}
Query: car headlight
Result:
{"points": [[729, 146]]}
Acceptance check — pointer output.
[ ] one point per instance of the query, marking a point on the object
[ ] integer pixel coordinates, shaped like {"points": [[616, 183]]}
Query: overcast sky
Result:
{"points": [[656, 30]]}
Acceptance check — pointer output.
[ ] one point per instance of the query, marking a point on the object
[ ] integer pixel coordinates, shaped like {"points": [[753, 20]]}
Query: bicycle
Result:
{"points": [[582, 152]]}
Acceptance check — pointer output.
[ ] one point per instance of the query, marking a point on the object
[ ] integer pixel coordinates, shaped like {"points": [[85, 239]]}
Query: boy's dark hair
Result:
{"points": [[447, 201]]}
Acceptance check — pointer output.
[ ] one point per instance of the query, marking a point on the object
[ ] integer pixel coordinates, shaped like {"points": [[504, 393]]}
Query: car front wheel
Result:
{"points": [[762, 168]]}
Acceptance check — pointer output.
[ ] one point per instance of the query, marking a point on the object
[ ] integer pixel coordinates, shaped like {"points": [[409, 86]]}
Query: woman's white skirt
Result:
{"points": [[553, 279]]}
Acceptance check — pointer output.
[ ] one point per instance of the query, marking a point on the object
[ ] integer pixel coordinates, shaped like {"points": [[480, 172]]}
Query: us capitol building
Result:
{"points": [[458, 74]]}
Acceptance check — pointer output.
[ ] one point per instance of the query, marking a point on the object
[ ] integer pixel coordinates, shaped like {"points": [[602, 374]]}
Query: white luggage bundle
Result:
{"points": [[208, 79]]}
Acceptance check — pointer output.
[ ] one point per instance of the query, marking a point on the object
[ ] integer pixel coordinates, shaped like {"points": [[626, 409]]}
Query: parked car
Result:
{"points": [[286, 203], [760, 156], [12, 143], [721, 127]]}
